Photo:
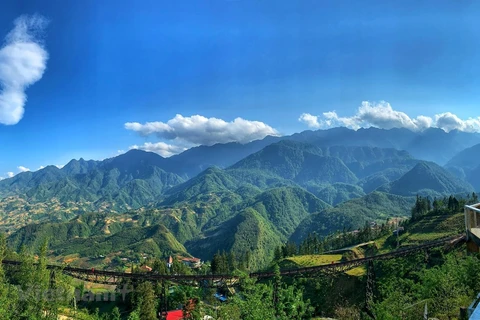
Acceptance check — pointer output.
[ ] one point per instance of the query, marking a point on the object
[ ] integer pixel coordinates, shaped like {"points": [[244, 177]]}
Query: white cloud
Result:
{"points": [[449, 121], [382, 115], [11, 174], [41, 167], [23, 169], [162, 148], [22, 63], [310, 120], [59, 166], [423, 122], [199, 130]]}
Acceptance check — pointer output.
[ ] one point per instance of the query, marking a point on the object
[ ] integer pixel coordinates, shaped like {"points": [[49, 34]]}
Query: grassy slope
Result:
{"points": [[432, 227], [309, 260], [427, 228]]}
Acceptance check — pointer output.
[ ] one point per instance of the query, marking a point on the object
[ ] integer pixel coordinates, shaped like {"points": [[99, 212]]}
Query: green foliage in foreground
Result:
{"points": [[267, 301], [445, 282], [27, 293], [444, 287]]}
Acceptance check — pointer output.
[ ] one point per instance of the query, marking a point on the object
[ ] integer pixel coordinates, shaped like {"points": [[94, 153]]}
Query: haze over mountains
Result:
{"points": [[248, 198]]}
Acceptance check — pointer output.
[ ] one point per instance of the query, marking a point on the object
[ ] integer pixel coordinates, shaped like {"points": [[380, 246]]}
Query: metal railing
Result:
{"points": [[471, 217], [472, 307]]}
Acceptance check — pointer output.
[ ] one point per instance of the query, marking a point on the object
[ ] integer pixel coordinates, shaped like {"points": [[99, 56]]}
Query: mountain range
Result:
{"points": [[247, 198]]}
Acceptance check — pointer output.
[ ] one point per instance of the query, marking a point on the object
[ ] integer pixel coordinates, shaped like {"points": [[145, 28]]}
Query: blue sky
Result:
{"points": [[104, 76]]}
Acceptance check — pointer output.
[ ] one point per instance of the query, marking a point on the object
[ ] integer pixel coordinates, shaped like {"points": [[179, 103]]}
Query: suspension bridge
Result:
{"points": [[226, 280], [471, 237], [116, 277]]}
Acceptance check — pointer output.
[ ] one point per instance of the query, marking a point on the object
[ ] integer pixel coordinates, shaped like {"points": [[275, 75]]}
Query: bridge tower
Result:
{"points": [[163, 301], [53, 282], [472, 227]]}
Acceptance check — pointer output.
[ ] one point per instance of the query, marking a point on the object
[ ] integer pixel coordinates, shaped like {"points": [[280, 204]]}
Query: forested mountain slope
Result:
{"points": [[427, 178], [466, 165], [376, 206], [128, 181]]}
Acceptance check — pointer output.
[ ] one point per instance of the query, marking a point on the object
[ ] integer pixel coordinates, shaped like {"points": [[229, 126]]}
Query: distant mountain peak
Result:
{"points": [[422, 166], [138, 153], [434, 130], [291, 144], [426, 176]]}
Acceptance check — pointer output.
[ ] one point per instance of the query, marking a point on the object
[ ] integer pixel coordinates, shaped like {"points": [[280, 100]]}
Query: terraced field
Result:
{"points": [[321, 259], [432, 227], [427, 228], [310, 260]]}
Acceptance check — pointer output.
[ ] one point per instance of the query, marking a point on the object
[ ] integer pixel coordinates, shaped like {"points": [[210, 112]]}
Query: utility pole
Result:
{"points": [[163, 301]]}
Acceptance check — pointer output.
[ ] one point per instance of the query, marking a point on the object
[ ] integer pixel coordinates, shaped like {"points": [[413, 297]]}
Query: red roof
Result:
{"points": [[147, 268], [175, 315]]}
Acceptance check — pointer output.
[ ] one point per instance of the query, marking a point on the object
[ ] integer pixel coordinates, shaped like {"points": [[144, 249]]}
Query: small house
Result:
{"points": [[192, 262], [145, 268]]}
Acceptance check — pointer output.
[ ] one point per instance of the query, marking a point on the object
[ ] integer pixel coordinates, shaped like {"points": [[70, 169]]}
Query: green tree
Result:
{"points": [[115, 314], [134, 315], [288, 300], [7, 300], [474, 198], [247, 259], [160, 266], [145, 301], [216, 263], [278, 254], [450, 205], [289, 249], [178, 267], [229, 311], [34, 281], [256, 302], [3, 249], [456, 205], [232, 261]]}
